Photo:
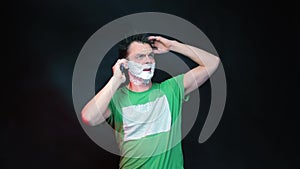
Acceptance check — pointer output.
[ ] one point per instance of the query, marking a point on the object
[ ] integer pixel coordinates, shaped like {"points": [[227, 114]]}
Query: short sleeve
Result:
{"points": [[175, 85]]}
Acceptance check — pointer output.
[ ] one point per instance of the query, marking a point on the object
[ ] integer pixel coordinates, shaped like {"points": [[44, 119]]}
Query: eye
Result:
{"points": [[151, 55], [140, 57]]}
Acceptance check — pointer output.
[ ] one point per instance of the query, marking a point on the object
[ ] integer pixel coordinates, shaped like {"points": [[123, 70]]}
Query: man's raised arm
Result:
{"points": [[208, 63]]}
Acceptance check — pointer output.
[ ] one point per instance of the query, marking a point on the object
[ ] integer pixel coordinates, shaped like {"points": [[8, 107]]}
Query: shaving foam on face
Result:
{"points": [[137, 70]]}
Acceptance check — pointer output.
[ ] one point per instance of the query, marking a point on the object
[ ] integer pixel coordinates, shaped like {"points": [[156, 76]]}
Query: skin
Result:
{"points": [[96, 110], [135, 50]]}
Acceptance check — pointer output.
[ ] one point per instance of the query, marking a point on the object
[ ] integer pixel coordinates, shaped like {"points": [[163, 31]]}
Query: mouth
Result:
{"points": [[147, 70]]}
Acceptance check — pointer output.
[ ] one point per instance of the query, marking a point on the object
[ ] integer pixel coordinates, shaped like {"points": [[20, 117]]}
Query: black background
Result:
{"points": [[257, 42]]}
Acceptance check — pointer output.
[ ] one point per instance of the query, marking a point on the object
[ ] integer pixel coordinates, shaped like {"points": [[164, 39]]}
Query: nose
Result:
{"points": [[149, 59]]}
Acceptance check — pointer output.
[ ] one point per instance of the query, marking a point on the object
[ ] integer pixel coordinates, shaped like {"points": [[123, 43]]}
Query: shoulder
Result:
{"points": [[174, 85], [176, 80]]}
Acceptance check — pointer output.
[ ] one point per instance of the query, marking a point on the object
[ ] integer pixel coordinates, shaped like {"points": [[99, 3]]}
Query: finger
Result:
{"points": [[125, 65], [151, 37], [117, 65], [156, 51], [119, 62], [124, 62], [154, 38]]}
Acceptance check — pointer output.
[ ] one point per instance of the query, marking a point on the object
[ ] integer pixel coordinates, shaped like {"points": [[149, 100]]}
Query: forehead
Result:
{"points": [[139, 48]]}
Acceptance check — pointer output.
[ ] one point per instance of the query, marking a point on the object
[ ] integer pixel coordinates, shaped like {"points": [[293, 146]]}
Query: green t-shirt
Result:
{"points": [[148, 125]]}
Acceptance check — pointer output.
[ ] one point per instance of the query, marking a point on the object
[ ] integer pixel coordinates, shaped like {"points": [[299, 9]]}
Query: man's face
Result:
{"points": [[141, 61], [141, 53]]}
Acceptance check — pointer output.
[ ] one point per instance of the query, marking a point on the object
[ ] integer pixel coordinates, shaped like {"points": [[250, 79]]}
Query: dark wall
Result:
{"points": [[256, 41]]}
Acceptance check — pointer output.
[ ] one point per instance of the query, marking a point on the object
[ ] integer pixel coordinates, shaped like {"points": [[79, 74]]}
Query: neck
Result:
{"points": [[137, 84]]}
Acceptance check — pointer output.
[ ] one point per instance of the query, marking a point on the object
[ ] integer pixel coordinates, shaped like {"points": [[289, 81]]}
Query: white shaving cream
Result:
{"points": [[136, 69]]}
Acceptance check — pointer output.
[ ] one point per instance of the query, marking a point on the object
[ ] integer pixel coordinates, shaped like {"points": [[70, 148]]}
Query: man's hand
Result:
{"points": [[117, 73], [161, 45]]}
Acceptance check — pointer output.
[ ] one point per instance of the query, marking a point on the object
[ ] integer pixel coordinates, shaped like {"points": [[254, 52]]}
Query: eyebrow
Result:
{"points": [[139, 54]]}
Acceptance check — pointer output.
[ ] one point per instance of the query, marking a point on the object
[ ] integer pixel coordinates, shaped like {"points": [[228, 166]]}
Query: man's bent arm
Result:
{"points": [[208, 63], [96, 110]]}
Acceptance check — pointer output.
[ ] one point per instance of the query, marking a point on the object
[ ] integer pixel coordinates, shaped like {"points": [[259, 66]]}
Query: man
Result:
{"points": [[146, 116]]}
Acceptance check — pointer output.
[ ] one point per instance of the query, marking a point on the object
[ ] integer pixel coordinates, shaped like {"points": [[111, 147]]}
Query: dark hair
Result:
{"points": [[124, 44]]}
